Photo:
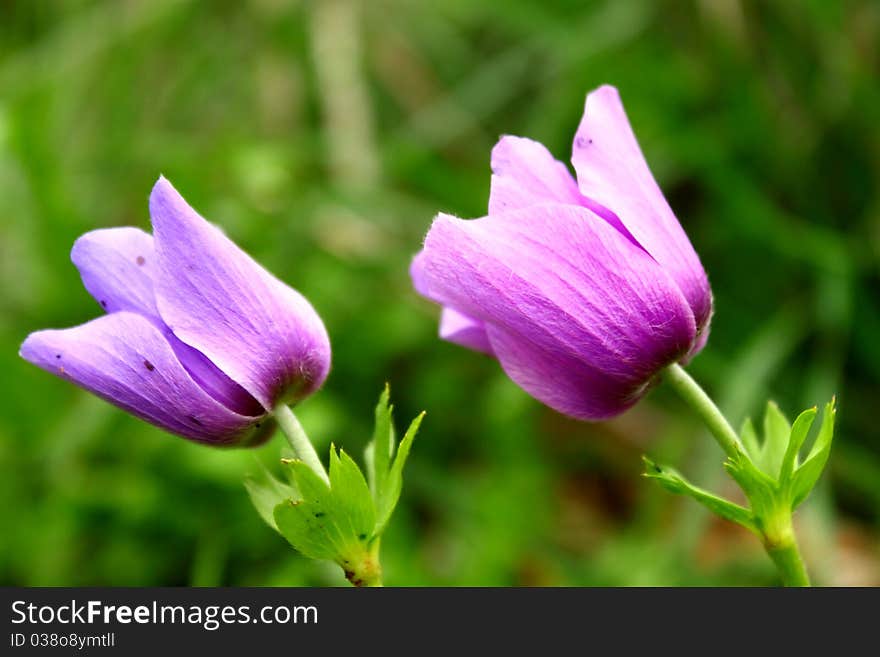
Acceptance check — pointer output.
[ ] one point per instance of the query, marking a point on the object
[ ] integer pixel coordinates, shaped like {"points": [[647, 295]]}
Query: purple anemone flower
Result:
{"points": [[583, 289], [198, 338]]}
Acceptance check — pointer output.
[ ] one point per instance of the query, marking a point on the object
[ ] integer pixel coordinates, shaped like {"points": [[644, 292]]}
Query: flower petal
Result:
{"points": [[578, 315], [216, 299], [455, 327], [612, 171], [117, 267], [465, 331], [524, 173], [124, 358]]}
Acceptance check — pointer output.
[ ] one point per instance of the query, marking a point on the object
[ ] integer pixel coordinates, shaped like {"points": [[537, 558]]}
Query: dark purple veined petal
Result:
{"points": [[264, 335], [612, 171], [118, 268], [124, 358], [577, 314]]}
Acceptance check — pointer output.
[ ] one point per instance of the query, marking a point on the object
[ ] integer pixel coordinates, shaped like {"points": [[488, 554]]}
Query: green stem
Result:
{"points": [[696, 397], [788, 561], [299, 441], [364, 569]]}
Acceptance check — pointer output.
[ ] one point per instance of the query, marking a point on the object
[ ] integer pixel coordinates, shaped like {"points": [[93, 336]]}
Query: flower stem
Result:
{"points": [[299, 441], [364, 569], [697, 399], [785, 554]]}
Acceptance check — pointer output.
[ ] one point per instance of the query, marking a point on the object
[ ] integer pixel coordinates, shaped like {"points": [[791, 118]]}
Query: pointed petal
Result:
{"points": [[612, 171], [216, 299], [524, 173], [465, 331], [117, 267], [580, 316], [124, 359]]}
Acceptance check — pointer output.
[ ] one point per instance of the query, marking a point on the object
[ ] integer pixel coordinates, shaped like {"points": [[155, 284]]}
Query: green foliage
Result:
{"points": [[384, 467], [342, 521], [804, 477], [768, 471], [674, 482], [333, 522]]}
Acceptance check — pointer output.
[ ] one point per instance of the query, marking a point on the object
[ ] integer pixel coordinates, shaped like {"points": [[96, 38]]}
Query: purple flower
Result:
{"points": [[582, 289], [199, 339]]}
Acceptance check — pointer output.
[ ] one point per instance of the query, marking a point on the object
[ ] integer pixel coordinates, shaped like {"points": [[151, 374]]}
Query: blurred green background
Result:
{"points": [[324, 136]]}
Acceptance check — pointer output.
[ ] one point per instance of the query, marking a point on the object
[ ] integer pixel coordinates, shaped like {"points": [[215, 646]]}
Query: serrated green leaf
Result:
{"points": [[674, 482], [806, 476], [389, 493], [351, 495], [776, 433], [305, 530], [759, 488], [381, 448], [799, 431], [327, 522], [267, 492]]}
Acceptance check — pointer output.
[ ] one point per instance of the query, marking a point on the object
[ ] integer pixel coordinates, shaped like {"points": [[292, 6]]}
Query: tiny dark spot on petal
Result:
{"points": [[140, 260], [103, 303], [149, 365], [194, 420], [57, 355]]}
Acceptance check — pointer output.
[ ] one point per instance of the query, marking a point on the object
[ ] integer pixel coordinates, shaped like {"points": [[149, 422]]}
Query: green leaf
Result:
{"points": [[381, 448], [799, 431], [674, 482], [351, 495], [267, 492], [389, 494], [759, 487], [776, 433], [806, 476], [328, 522]]}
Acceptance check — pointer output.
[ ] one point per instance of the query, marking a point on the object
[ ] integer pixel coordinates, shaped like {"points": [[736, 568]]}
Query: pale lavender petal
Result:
{"points": [[124, 358], [524, 173], [217, 299], [577, 314], [465, 331], [118, 267], [612, 171]]}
